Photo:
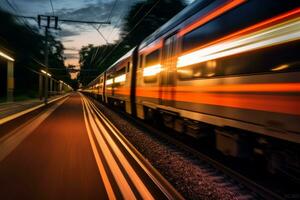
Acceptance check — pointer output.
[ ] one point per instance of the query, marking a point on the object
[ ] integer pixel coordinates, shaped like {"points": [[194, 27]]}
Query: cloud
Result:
{"points": [[71, 48], [66, 40], [99, 11], [67, 33], [72, 55], [77, 35], [91, 12]]}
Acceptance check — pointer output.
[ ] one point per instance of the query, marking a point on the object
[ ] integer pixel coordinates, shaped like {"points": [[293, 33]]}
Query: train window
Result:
{"points": [[109, 76], [282, 58], [128, 67], [152, 58], [120, 71], [141, 61], [120, 76], [109, 80], [152, 67], [248, 14], [279, 58], [202, 70]]}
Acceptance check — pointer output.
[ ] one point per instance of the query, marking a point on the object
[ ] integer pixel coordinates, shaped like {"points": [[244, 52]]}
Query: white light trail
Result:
{"points": [[152, 70], [120, 78], [109, 81], [277, 34]]}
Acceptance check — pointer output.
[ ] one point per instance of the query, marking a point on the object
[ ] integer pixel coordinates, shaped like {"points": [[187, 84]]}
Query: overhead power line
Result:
{"points": [[52, 7], [21, 21], [130, 31], [112, 9], [98, 30], [139, 10], [118, 23]]}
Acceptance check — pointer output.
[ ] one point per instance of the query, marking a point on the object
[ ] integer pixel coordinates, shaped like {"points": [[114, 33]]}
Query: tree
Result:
{"points": [[56, 60], [90, 58], [88, 69], [145, 17], [26, 45], [94, 60]]}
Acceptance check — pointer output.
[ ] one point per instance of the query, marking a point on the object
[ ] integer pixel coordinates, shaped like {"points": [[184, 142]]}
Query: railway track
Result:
{"points": [[242, 186], [223, 174], [143, 179]]}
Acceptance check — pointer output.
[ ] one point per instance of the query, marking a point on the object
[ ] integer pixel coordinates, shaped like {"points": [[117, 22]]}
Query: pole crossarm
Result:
{"points": [[68, 20]]}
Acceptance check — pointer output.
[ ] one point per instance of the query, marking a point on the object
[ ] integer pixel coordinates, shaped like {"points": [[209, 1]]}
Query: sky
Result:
{"points": [[74, 36]]}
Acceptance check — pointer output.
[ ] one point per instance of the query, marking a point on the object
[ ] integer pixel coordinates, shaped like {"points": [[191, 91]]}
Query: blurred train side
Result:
{"points": [[231, 65]]}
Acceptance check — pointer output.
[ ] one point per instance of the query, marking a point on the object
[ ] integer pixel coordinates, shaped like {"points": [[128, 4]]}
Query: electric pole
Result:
{"points": [[51, 22], [45, 21]]}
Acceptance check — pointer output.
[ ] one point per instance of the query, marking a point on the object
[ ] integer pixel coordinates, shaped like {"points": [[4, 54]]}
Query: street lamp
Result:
{"points": [[46, 73]]}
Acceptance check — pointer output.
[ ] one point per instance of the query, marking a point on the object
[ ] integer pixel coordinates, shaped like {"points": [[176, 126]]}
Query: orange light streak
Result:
{"points": [[250, 29], [280, 103], [228, 6]]}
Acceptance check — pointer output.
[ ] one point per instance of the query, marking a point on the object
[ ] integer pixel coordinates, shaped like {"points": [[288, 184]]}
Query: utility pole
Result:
{"points": [[45, 21]]}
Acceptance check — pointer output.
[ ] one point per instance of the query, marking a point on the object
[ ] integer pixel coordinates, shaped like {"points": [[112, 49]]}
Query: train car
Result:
{"points": [[118, 83], [233, 65], [226, 70], [96, 88]]}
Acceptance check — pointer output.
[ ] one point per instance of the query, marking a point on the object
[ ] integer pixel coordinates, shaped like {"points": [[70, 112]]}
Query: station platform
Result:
{"points": [[12, 110], [70, 150]]}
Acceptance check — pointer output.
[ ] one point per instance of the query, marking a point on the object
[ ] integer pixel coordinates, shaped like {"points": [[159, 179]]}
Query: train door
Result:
{"points": [[167, 75]]}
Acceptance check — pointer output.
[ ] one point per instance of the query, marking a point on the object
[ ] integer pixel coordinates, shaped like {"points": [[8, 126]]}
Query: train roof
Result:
{"points": [[95, 80], [175, 21], [172, 23], [128, 54]]}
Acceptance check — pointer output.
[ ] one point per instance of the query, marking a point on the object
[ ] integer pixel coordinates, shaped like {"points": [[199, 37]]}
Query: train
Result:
{"points": [[229, 65]]}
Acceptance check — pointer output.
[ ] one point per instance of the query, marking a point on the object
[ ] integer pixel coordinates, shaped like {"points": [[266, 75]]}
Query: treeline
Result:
{"points": [[142, 19], [26, 45]]}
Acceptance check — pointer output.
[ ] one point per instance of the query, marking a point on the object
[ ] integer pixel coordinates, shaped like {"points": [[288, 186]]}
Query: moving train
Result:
{"points": [[230, 65]]}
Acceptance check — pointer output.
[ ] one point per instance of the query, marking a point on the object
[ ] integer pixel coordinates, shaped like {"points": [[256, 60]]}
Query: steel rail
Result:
{"points": [[168, 190], [261, 191]]}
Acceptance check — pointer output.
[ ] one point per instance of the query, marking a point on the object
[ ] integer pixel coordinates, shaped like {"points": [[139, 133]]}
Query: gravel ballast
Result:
{"points": [[188, 175]]}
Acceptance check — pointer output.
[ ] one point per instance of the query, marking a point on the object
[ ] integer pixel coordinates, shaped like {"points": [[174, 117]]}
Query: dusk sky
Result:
{"points": [[74, 36]]}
